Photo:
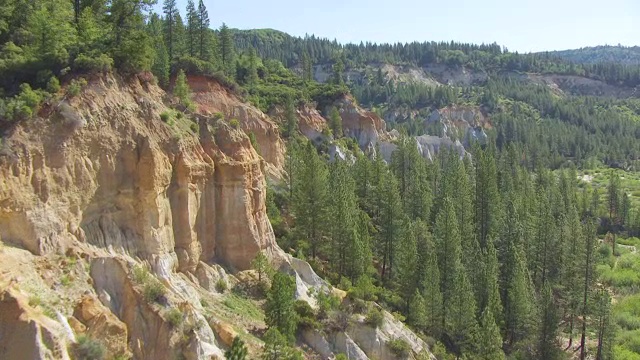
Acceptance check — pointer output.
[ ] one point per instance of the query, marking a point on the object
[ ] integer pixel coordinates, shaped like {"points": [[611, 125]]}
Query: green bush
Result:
{"points": [[306, 315], [75, 86], [174, 317], [399, 347], [88, 349], [194, 128], [93, 63], [218, 116], [165, 116], [53, 85], [374, 317], [153, 290], [221, 285], [234, 123]]}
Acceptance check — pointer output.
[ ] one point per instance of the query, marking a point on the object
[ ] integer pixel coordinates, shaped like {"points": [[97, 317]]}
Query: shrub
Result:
{"points": [[360, 306], [341, 357], [234, 123], [218, 116], [153, 290], [53, 85], [374, 317], [221, 285], [88, 349], [93, 63], [75, 86], [194, 128], [306, 315], [399, 347], [165, 116], [174, 317], [327, 303]]}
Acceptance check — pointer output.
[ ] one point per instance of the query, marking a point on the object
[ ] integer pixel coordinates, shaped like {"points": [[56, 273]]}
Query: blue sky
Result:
{"points": [[520, 25]]}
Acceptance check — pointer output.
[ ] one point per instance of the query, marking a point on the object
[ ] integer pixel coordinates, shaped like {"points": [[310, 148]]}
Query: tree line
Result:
{"points": [[486, 256]]}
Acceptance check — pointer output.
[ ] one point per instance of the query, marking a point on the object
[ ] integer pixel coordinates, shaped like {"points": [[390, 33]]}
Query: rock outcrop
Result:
{"points": [[465, 123]]}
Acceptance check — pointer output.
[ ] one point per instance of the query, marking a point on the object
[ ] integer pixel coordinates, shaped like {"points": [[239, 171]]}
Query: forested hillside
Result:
{"points": [[501, 251], [615, 54]]}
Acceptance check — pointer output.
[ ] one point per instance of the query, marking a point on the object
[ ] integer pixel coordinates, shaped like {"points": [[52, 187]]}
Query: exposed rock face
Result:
{"points": [[466, 123], [210, 98], [100, 323], [365, 127], [26, 333], [125, 181]]}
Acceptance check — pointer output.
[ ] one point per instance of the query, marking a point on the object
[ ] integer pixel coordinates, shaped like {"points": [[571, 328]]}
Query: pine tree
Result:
{"points": [[193, 24], [170, 14], [277, 347], [290, 118], [430, 286], [490, 294], [307, 67], [310, 197], [279, 307], [407, 262], [461, 326], [237, 351], [180, 37], [389, 221], [131, 49], [487, 199], [343, 207], [547, 339], [360, 251], [227, 52], [605, 326], [204, 35], [417, 315], [588, 268], [335, 122], [181, 88], [338, 70], [490, 345], [252, 69], [161, 66], [449, 252]]}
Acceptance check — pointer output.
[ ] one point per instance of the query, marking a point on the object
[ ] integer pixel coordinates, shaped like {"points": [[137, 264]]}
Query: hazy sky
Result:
{"points": [[522, 25]]}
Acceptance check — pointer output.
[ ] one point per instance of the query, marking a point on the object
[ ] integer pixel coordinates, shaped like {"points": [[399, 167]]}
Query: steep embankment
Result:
{"points": [[114, 225]]}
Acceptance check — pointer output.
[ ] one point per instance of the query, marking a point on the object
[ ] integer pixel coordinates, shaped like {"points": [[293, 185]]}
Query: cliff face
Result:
{"points": [[101, 170]]}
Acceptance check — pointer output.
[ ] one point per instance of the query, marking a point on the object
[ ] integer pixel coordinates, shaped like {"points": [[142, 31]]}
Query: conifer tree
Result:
{"points": [[161, 66], [389, 222], [252, 69], [490, 344], [181, 88], [449, 252], [417, 315], [335, 122], [179, 40], [462, 327], [430, 282], [588, 268], [487, 198], [342, 205], [407, 262], [490, 290], [193, 24], [547, 339], [204, 34], [360, 251], [227, 51], [310, 197], [279, 307], [605, 326], [170, 14]]}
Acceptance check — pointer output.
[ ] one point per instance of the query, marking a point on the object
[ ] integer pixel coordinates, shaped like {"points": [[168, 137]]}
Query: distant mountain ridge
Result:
{"points": [[604, 53]]}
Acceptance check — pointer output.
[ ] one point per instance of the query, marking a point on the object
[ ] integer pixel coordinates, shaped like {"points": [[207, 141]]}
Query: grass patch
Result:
{"points": [[242, 307]]}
